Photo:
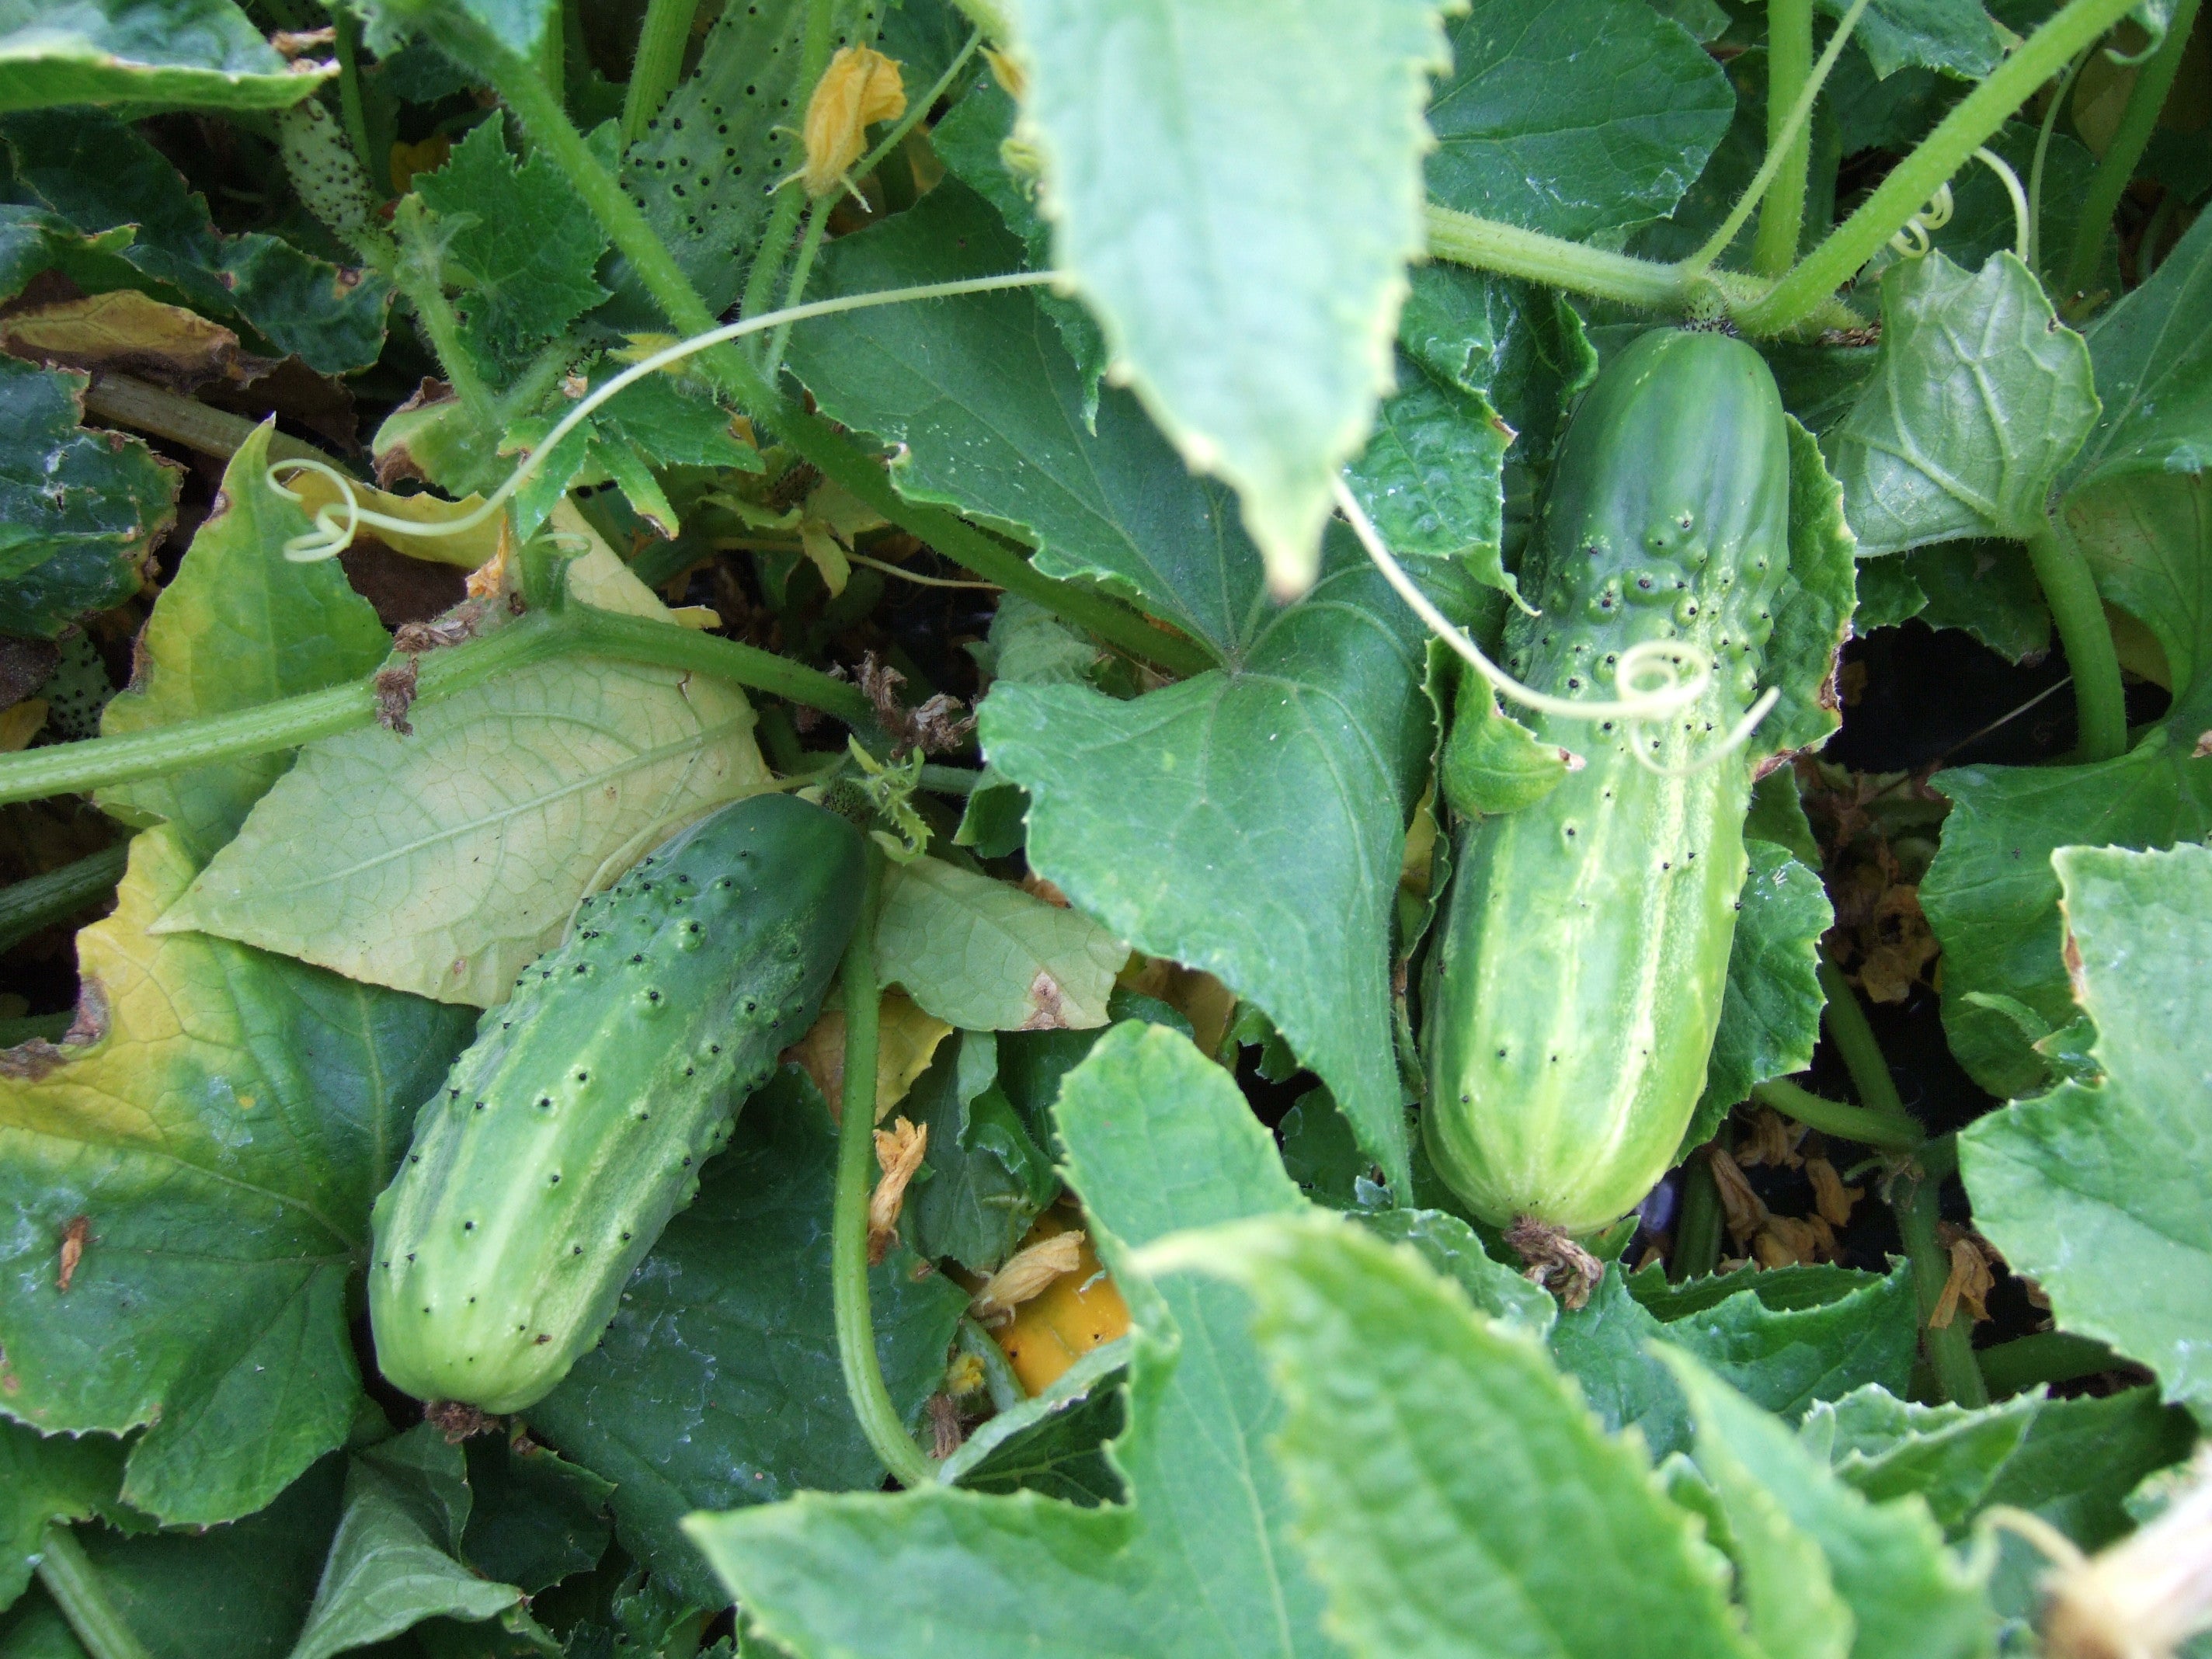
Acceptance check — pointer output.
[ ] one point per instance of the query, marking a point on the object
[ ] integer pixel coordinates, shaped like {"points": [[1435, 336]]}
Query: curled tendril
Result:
{"points": [[336, 523], [1656, 678], [1911, 239]]}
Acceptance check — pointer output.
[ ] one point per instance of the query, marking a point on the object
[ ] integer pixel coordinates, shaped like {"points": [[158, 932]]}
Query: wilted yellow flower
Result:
{"points": [[860, 87]]}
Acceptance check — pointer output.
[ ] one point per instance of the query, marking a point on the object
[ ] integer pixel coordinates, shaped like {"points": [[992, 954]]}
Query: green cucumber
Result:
{"points": [[1573, 996], [574, 1125]]}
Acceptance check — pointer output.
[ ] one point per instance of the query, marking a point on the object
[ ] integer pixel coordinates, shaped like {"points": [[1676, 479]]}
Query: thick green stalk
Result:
{"points": [[658, 64], [185, 421], [2026, 1362], [1949, 1348], [2069, 589], [418, 283], [1815, 278], [1833, 1117], [2130, 139], [57, 895], [1530, 254], [667, 645], [1863, 1057], [848, 1239], [1697, 1250], [74, 1583], [1789, 64], [815, 439]]}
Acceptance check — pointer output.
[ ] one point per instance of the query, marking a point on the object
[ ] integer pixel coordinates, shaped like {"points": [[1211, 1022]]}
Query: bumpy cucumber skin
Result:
{"points": [[1575, 991], [574, 1125]]}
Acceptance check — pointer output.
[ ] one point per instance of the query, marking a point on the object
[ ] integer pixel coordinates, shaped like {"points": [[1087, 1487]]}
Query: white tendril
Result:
{"points": [[1656, 678], [336, 524], [1998, 164], [1911, 239]]}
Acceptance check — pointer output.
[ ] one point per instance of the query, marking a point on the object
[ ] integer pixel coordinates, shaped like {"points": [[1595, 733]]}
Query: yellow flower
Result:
{"points": [[860, 87]]}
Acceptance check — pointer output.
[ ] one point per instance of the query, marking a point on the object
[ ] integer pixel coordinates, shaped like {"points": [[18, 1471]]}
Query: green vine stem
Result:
{"points": [[1855, 1041], [187, 421], [2032, 259], [1949, 1348], [2027, 1362], [74, 1583], [1815, 279], [1697, 1250], [56, 895], [1833, 1117], [790, 197], [1789, 65], [658, 64], [2070, 590], [849, 1241], [347, 34], [859, 474], [72, 767], [2130, 139]]}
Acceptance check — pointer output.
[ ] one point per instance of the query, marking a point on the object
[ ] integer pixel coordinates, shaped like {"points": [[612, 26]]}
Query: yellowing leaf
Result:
{"points": [[906, 1041]]}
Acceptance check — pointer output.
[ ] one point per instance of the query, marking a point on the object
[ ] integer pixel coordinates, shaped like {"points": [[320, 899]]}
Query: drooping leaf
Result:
{"points": [[204, 53], [1432, 1453], [1573, 117], [95, 174], [1992, 898], [220, 1132], [80, 511], [443, 861], [239, 625], [1978, 397], [985, 956], [719, 1384], [1201, 1561], [2092, 1190], [1252, 305]]}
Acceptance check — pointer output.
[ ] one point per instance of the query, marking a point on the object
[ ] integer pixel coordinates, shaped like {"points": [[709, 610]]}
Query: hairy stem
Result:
{"points": [[2069, 589], [57, 895], [1863, 1057], [2153, 81], [74, 1583], [1530, 254], [1789, 65], [1813, 281], [1949, 1348], [848, 1244], [658, 64], [815, 439], [1833, 1117], [2026, 1362]]}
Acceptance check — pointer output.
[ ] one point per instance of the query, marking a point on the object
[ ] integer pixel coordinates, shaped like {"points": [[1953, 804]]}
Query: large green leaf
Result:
{"points": [[1453, 1495], [985, 956], [2095, 1191], [442, 861], [718, 1384], [219, 1128], [1574, 117], [2153, 354], [1201, 1561], [79, 512], [1978, 397], [1245, 249], [45, 1478], [205, 53], [1992, 898], [99, 175], [1955, 36], [239, 625]]}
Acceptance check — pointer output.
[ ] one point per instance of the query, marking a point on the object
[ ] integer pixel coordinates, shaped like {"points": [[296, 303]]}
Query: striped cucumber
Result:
{"points": [[574, 1127], [1572, 1000]]}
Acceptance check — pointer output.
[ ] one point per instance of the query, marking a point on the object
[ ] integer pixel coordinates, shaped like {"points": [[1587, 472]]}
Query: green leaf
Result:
{"points": [[222, 1129], [534, 1518], [985, 956], [1272, 827], [1813, 613], [1992, 898], [80, 511], [239, 625], [1202, 1560], [201, 53], [443, 861], [101, 176], [1907, 1596], [1887, 1448], [1431, 475], [1986, 587], [987, 1177], [1435, 1457], [1955, 36], [517, 25], [705, 169], [718, 1384], [1455, 1251], [1055, 1444], [1491, 762], [1574, 117], [390, 1564], [2153, 353], [2093, 1190], [518, 247], [1784, 1353], [1251, 306], [1771, 1010], [1976, 400], [46, 1479]]}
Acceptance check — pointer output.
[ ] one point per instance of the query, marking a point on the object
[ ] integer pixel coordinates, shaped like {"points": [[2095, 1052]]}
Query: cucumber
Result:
{"points": [[572, 1128], [1573, 996]]}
